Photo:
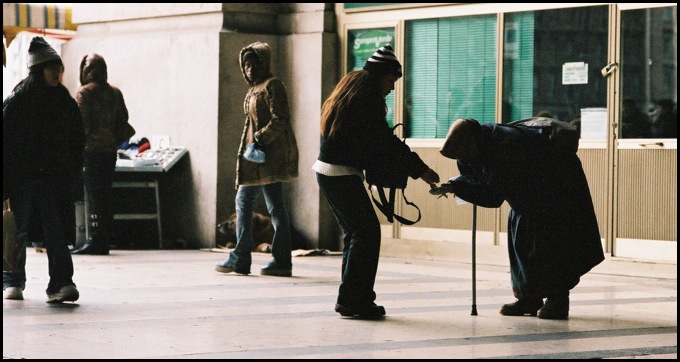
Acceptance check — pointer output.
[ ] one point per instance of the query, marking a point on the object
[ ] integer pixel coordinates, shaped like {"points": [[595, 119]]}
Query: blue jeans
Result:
{"points": [[240, 257], [27, 199], [356, 216]]}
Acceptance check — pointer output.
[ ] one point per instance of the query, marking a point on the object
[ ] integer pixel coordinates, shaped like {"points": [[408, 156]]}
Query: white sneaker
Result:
{"points": [[14, 293], [67, 293]]}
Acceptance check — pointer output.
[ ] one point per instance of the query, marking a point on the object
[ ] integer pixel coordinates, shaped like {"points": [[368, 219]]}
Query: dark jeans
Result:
{"points": [[282, 245], [27, 199], [355, 214], [99, 168]]}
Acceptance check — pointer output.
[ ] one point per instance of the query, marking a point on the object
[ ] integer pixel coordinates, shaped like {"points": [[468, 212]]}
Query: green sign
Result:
{"points": [[363, 43]]}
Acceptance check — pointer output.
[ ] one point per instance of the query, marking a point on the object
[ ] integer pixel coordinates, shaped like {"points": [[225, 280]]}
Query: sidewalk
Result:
{"points": [[171, 304]]}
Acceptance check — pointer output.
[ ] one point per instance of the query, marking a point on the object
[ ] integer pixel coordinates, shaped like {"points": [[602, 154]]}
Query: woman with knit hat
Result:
{"points": [[268, 131], [355, 137], [42, 158]]}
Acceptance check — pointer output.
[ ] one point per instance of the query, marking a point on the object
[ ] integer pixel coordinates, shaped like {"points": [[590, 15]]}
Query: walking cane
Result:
{"points": [[474, 261]]}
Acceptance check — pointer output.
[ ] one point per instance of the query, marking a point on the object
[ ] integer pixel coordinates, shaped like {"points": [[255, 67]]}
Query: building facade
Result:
{"points": [[177, 65]]}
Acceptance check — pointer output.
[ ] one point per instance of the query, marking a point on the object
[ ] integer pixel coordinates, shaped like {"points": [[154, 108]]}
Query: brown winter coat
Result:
{"points": [[267, 121], [105, 116]]}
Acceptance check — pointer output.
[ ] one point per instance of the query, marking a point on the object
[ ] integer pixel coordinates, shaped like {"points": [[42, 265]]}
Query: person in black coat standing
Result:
{"points": [[553, 236], [43, 143], [355, 137]]}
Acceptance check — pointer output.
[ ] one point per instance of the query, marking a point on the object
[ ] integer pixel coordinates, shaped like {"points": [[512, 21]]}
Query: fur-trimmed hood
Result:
{"points": [[264, 55]]}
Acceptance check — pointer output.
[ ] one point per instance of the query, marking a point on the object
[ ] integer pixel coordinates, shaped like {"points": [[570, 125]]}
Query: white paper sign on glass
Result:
{"points": [[575, 73], [594, 123]]}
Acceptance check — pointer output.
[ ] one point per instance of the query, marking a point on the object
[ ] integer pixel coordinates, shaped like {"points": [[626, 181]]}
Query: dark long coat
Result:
{"points": [[553, 237]]}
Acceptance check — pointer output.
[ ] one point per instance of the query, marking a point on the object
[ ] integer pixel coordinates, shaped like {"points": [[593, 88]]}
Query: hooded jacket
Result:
{"points": [[267, 121], [105, 116]]}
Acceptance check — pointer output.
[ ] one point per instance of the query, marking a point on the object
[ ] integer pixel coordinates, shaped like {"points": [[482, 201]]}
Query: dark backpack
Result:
{"points": [[564, 136], [387, 176]]}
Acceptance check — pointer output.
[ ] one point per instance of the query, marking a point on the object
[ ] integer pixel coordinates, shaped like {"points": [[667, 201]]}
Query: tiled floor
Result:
{"points": [[171, 304]]}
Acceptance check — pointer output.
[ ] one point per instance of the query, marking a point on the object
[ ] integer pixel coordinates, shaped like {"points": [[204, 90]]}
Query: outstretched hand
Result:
{"points": [[431, 177], [442, 190]]}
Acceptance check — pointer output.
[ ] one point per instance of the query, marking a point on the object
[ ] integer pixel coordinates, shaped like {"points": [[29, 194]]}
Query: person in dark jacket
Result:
{"points": [[105, 121], [42, 146], [355, 137], [553, 236], [268, 129]]}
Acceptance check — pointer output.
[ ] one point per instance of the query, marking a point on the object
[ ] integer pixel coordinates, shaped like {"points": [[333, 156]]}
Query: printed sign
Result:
{"points": [[575, 73]]}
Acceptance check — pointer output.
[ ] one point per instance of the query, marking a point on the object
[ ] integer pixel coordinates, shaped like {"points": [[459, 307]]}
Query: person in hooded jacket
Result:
{"points": [[105, 120], [267, 129], [42, 147]]}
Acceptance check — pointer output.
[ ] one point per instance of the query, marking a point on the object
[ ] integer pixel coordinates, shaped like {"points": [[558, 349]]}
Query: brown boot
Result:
{"points": [[555, 308], [522, 307]]}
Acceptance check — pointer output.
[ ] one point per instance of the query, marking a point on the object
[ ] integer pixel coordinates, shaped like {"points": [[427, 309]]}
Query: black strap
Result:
{"points": [[386, 206], [402, 219]]}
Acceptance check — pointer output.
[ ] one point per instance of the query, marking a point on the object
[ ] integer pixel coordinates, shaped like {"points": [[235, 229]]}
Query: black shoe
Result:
{"points": [[522, 307], [90, 249], [367, 312], [276, 270], [230, 269], [555, 308]]}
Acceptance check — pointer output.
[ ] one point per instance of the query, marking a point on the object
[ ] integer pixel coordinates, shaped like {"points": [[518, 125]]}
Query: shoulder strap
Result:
{"points": [[404, 220], [386, 206]]}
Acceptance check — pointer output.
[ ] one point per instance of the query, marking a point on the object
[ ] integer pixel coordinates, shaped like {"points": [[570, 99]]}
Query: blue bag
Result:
{"points": [[254, 154]]}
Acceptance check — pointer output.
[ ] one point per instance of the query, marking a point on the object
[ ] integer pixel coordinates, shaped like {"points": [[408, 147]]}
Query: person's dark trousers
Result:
{"points": [[98, 171], [356, 216], [68, 216], [68, 213], [27, 199]]}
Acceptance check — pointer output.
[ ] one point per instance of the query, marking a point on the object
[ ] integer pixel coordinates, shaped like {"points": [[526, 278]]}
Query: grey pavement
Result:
{"points": [[171, 304]]}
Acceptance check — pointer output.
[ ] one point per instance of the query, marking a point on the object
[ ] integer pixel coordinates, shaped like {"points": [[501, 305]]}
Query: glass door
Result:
{"points": [[552, 61], [645, 176]]}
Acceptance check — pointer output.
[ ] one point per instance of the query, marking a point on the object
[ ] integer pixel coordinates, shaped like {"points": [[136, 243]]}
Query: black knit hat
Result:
{"points": [[383, 61], [41, 54]]}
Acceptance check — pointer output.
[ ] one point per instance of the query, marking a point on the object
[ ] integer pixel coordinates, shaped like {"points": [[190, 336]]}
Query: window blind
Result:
{"points": [[450, 73]]}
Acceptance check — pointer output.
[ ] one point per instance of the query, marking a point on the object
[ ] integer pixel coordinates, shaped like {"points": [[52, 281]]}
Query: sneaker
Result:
{"points": [[277, 271], [522, 307], [230, 269], [13, 293], [555, 308], [368, 312], [67, 293]]}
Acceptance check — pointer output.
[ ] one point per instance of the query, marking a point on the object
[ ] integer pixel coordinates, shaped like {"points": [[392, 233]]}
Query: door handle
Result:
{"points": [[608, 69], [655, 144]]}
